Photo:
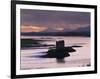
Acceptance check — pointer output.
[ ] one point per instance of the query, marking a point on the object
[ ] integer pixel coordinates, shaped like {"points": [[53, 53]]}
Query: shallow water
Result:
{"points": [[80, 58]]}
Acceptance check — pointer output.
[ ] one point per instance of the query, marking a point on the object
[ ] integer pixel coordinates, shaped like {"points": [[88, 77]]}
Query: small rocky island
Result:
{"points": [[59, 52]]}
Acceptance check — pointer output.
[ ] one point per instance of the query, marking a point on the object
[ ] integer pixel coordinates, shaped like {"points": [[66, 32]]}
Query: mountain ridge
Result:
{"points": [[82, 31]]}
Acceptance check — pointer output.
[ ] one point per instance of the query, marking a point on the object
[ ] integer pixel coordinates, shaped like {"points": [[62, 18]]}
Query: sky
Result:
{"points": [[41, 20]]}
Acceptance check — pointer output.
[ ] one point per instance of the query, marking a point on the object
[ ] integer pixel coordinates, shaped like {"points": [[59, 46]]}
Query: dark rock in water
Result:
{"points": [[55, 55], [88, 64], [70, 49], [76, 46], [66, 49], [59, 52]]}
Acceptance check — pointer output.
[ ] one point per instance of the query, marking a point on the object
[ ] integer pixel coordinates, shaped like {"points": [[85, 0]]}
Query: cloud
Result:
{"points": [[39, 20], [32, 29]]}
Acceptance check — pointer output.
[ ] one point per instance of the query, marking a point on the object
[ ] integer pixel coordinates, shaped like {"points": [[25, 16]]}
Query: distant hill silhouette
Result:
{"points": [[82, 31]]}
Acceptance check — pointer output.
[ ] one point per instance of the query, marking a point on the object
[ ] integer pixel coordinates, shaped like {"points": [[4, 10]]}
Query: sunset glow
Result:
{"points": [[59, 29], [32, 29], [53, 21]]}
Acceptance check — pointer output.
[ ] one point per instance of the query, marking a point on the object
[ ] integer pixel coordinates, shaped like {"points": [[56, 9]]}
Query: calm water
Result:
{"points": [[80, 58]]}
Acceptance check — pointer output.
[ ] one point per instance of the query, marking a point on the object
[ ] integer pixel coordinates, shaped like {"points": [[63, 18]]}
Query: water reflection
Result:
{"points": [[60, 60], [59, 52], [34, 54]]}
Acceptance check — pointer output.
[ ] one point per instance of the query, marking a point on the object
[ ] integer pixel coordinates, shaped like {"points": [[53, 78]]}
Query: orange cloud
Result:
{"points": [[59, 29], [32, 28]]}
